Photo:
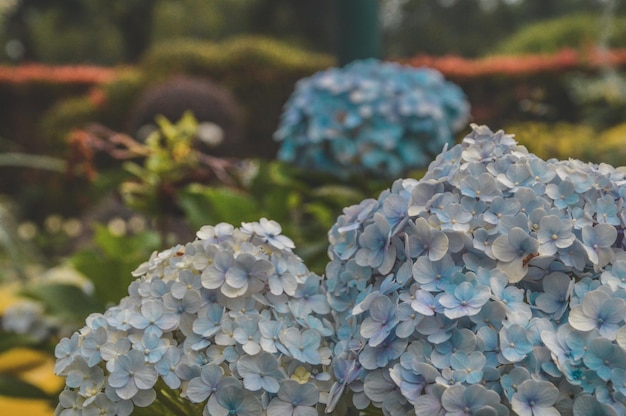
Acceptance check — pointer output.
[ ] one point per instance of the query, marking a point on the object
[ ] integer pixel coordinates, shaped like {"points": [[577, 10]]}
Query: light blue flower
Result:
{"points": [[422, 239], [381, 321], [454, 217], [248, 273], [564, 194], [214, 276], [382, 354], [512, 380], [376, 250], [209, 320], [308, 298], [269, 231], [187, 281], [234, 400], [500, 208], [247, 334], [209, 382], [64, 352], [602, 356], [131, 374], [482, 187], [468, 368], [535, 398], [598, 311], [607, 210], [597, 241], [294, 399], [434, 275], [557, 290], [150, 344], [260, 371], [166, 367], [409, 319], [303, 346], [554, 233], [514, 343], [430, 403], [466, 300], [615, 276], [460, 400], [512, 249], [587, 405], [270, 331], [153, 316], [92, 343]]}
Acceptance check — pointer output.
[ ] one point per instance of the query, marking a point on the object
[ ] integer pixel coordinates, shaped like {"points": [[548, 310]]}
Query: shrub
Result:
{"points": [[558, 140], [208, 102], [260, 72], [563, 140]]}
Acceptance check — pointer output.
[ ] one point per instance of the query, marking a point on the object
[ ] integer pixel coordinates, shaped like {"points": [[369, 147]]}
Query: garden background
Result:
{"points": [[85, 198]]}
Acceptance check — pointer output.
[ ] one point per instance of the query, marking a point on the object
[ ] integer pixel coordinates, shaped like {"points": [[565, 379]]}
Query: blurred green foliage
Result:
{"points": [[260, 72], [578, 141], [579, 31], [110, 259]]}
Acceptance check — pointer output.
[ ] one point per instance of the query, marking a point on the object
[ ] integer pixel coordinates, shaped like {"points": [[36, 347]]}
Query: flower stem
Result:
{"points": [[165, 397]]}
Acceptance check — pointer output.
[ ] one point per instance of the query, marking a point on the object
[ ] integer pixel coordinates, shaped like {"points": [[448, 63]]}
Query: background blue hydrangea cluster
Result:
{"points": [[496, 284], [370, 117]]}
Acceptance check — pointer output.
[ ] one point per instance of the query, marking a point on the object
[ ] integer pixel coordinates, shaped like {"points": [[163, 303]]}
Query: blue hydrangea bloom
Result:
{"points": [[522, 254], [201, 319], [370, 117]]}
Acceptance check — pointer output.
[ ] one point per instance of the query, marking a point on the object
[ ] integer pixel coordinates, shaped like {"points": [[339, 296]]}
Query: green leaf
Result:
{"points": [[339, 195], [324, 215], [10, 340], [109, 266], [203, 205], [14, 387], [283, 175], [133, 247], [66, 302]]}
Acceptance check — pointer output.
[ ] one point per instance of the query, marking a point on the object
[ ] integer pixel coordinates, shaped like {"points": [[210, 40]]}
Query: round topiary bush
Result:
{"points": [[214, 107]]}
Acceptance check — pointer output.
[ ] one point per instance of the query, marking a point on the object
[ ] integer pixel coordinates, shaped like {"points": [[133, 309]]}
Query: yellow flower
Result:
{"points": [[301, 375]]}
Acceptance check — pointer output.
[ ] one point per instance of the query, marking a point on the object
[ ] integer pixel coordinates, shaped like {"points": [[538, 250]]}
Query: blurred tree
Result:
{"points": [[309, 23], [96, 31], [469, 27], [133, 19]]}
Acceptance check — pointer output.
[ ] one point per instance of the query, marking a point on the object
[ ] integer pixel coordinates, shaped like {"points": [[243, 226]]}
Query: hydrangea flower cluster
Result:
{"points": [[229, 324], [496, 283], [370, 117]]}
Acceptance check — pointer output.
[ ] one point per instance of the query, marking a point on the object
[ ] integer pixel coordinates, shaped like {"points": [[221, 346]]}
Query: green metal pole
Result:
{"points": [[359, 30]]}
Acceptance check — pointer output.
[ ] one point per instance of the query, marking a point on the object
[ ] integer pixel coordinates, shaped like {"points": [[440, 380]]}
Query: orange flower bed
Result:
{"points": [[565, 60], [451, 66], [56, 74]]}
